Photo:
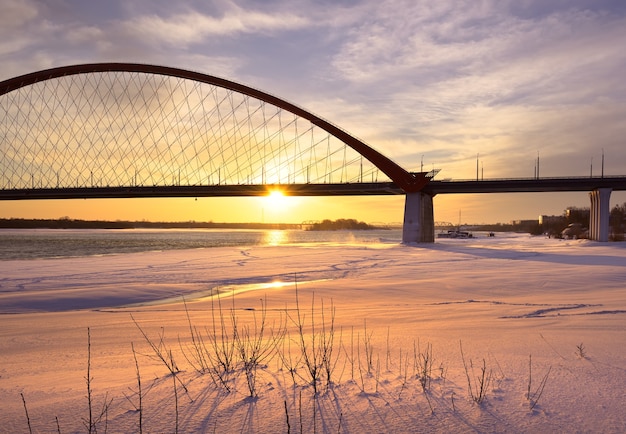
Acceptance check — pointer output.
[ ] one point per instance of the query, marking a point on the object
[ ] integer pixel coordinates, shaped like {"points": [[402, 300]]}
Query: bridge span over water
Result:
{"points": [[117, 130]]}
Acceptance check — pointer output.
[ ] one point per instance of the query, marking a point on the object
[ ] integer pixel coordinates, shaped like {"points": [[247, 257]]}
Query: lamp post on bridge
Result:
{"points": [[477, 166]]}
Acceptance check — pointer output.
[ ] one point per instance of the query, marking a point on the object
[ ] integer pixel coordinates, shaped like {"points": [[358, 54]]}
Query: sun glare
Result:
{"points": [[278, 207], [276, 199]]}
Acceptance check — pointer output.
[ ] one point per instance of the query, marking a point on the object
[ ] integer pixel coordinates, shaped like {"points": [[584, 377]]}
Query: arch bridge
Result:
{"points": [[135, 130]]}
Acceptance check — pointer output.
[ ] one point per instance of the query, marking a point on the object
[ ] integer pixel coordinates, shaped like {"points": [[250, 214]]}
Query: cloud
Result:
{"points": [[15, 15], [447, 79], [459, 78], [194, 27], [84, 34]]}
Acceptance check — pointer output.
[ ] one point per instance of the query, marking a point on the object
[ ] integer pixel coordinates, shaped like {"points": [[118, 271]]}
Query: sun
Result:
{"points": [[278, 207], [276, 199]]}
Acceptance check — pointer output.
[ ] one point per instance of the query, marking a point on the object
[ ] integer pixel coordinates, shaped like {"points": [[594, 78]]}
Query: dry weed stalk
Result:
{"points": [[580, 351], [139, 393], [217, 358], [404, 375], [30, 430], [256, 345], [478, 387], [317, 351], [368, 348], [196, 353], [164, 354], [222, 344], [287, 359], [287, 417], [533, 397], [350, 357], [425, 366], [93, 421]]}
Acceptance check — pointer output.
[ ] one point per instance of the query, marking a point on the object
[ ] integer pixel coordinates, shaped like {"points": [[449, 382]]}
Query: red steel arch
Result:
{"points": [[407, 181]]}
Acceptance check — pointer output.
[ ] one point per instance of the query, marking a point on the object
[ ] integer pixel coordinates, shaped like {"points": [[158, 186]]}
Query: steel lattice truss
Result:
{"points": [[120, 128]]}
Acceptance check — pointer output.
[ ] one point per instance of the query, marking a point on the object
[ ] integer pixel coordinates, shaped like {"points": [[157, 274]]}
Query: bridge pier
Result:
{"points": [[599, 214], [419, 224]]}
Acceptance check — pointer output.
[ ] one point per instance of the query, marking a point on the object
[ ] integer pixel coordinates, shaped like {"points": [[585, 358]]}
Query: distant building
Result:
{"points": [[529, 226], [552, 225], [545, 220], [523, 222]]}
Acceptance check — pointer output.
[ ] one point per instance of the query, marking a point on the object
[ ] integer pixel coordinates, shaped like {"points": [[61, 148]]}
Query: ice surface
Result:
{"points": [[524, 307]]}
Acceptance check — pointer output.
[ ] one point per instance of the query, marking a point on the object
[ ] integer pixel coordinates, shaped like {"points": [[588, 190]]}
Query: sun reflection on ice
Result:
{"points": [[275, 238]]}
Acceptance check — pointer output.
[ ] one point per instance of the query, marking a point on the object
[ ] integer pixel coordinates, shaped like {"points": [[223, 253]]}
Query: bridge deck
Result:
{"points": [[356, 189], [525, 185], [352, 189]]}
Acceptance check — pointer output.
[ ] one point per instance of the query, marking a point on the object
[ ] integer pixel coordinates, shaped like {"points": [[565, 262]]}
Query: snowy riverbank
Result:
{"points": [[524, 308]]}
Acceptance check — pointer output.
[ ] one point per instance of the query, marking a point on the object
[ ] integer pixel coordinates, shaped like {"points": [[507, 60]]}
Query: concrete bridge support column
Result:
{"points": [[599, 214], [419, 223]]}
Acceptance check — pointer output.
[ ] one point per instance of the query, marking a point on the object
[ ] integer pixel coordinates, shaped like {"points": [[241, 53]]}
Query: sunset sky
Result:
{"points": [[441, 85]]}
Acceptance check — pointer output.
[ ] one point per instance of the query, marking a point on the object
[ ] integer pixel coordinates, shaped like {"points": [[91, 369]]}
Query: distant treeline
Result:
{"points": [[67, 223], [341, 224]]}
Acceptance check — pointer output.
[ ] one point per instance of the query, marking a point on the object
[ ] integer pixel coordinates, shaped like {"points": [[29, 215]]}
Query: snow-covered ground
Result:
{"points": [[407, 330]]}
